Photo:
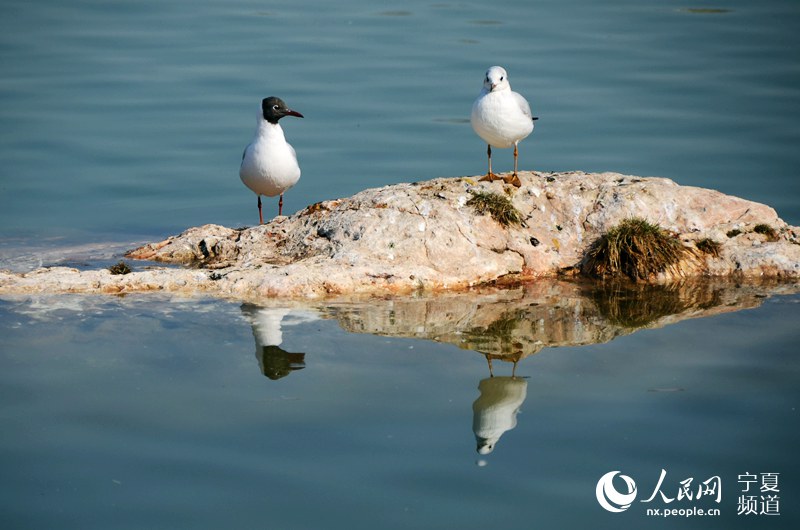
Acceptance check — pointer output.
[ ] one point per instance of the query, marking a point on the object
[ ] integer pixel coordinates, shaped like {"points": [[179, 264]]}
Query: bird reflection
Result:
{"points": [[495, 410], [513, 358], [274, 361]]}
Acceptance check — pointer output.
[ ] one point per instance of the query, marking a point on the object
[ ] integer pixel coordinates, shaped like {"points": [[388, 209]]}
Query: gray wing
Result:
{"points": [[523, 104]]}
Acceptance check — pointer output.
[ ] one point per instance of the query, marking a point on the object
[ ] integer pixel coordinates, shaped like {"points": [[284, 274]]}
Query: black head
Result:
{"points": [[273, 109]]}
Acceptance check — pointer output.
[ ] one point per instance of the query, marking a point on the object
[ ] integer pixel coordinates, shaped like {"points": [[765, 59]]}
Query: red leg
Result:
{"points": [[515, 160], [280, 205], [489, 176], [260, 218], [514, 179]]}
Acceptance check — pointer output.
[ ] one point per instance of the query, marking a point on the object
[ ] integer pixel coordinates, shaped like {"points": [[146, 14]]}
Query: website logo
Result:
{"points": [[611, 499]]}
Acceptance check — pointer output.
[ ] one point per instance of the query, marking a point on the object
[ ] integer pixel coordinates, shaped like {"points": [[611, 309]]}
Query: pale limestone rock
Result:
{"points": [[423, 236]]}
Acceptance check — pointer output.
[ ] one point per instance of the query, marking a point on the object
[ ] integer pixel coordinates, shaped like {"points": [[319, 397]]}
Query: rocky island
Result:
{"points": [[448, 234]]}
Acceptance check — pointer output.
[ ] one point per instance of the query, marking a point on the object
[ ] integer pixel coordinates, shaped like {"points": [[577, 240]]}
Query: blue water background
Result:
{"points": [[145, 412], [128, 118], [122, 121]]}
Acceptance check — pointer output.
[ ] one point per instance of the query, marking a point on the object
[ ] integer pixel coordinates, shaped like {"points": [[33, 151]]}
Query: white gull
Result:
{"points": [[501, 117]]}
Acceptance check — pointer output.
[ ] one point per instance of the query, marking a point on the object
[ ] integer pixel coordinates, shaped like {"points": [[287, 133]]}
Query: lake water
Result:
{"points": [[149, 412], [125, 121]]}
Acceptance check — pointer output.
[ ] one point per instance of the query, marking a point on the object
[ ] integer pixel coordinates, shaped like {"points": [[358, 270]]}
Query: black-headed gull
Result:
{"points": [[501, 117], [269, 164]]}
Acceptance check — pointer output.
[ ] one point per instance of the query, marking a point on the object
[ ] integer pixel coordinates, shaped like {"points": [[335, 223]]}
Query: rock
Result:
{"points": [[424, 236]]}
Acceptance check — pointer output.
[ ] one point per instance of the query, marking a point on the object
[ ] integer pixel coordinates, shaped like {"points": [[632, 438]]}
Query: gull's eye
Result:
{"points": [[501, 78], [274, 107]]}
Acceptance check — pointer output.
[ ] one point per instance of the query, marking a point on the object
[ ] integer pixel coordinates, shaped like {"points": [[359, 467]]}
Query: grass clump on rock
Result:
{"points": [[634, 248], [766, 230], [708, 246], [498, 206], [120, 268]]}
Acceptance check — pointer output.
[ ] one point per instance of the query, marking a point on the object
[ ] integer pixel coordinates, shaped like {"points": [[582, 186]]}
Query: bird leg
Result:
{"points": [[280, 205], [515, 159], [260, 218], [490, 177], [513, 179]]}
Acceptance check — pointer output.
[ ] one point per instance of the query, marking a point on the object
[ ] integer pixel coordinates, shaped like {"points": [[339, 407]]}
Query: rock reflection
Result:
{"points": [[512, 324], [637, 306], [274, 361], [509, 325], [495, 411]]}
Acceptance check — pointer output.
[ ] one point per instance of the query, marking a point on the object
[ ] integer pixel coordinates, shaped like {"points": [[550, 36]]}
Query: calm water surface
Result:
{"points": [[148, 412], [129, 118], [126, 120]]}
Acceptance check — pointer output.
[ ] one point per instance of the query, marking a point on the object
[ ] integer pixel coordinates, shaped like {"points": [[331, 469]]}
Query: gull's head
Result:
{"points": [[485, 445], [496, 79], [273, 109]]}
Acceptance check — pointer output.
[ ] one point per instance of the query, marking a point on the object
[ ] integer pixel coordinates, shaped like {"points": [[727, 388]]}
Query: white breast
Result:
{"points": [[501, 118], [269, 166]]}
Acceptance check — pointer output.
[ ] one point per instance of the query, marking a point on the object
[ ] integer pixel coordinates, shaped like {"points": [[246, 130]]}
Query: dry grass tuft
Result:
{"points": [[120, 268], [498, 206], [634, 248], [766, 230], [708, 246]]}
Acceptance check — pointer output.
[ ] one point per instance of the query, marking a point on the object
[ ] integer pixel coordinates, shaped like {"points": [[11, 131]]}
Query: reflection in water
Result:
{"points": [[511, 324], [502, 339], [636, 306], [495, 410], [274, 361]]}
